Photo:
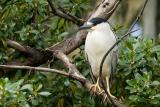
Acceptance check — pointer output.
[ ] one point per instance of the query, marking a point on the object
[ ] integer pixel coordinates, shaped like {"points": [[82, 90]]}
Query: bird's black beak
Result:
{"points": [[86, 26]]}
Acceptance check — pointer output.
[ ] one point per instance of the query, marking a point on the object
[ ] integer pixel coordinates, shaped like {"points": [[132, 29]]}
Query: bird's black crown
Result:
{"points": [[97, 20]]}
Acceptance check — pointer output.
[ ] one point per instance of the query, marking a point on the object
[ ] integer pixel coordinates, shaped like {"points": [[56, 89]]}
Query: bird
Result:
{"points": [[99, 40]]}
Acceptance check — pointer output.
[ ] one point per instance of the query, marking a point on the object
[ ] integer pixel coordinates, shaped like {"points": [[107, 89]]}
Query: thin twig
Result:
{"points": [[64, 14], [35, 68], [72, 16], [125, 35]]}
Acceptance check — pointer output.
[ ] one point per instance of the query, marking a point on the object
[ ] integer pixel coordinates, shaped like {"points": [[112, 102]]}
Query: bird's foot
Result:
{"points": [[108, 99], [95, 87]]}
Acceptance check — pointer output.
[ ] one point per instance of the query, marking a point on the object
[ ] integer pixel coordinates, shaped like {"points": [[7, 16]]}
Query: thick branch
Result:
{"points": [[106, 8], [35, 57], [15, 45], [73, 71]]}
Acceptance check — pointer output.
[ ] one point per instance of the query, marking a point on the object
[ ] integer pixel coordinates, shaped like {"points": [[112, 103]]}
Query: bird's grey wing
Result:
{"points": [[91, 73], [114, 60]]}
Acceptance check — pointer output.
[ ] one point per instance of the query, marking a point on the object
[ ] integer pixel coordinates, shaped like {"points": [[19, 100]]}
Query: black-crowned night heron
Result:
{"points": [[99, 40]]}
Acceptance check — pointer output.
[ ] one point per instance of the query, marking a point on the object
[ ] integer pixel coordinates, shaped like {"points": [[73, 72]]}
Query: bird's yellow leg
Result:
{"points": [[96, 86], [108, 88]]}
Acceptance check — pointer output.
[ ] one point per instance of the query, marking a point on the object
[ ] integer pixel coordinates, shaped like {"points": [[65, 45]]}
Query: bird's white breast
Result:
{"points": [[97, 43]]}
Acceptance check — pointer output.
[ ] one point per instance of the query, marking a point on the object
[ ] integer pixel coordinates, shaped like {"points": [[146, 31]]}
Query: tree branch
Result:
{"points": [[106, 8], [73, 71], [34, 56], [35, 68], [15, 45], [64, 14]]}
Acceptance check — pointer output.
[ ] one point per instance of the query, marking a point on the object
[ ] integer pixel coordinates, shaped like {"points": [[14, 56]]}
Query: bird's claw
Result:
{"points": [[94, 88], [111, 96]]}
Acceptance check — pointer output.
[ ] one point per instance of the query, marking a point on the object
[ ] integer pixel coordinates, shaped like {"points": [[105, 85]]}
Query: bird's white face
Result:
{"points": [[91, 24]]}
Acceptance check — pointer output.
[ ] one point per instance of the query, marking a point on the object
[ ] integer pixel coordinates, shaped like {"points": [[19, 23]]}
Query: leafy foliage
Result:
{"points": [[21, 94], [138, 69], [30, 22]]}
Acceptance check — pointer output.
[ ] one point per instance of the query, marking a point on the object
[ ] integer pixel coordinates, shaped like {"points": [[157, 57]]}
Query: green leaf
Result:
{"points": [[35, 102], [67, 83], [26, 105], [4, 43], [44, 93], [133, 97], [39, 87], [64, 34], [155, 83], [130, 82], [154, 101], [138, 76], [157, 96], [129, 45], [61, 23], [27, 87], [20, 82], [13, 87], [29, 1]]}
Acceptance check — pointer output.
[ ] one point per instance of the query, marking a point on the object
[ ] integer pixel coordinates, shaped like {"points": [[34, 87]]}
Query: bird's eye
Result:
{"points": [[89, 23]]}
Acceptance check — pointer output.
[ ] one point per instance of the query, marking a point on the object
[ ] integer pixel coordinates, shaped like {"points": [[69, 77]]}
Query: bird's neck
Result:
{"points": [[102, 26]]}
